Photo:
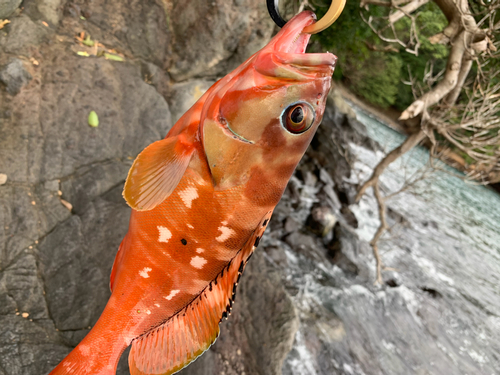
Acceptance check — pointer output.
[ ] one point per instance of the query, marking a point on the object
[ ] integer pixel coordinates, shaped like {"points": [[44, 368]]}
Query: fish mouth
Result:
{"points": [[291, 44]]}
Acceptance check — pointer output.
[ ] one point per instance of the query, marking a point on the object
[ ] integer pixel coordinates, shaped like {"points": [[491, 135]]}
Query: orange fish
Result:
{"points": [[202, 198]]}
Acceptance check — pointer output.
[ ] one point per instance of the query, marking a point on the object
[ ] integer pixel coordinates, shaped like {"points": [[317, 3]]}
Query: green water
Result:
{"points": [[458, 204]]}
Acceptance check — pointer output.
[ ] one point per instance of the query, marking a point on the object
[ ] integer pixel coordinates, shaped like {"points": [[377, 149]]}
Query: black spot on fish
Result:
{"points": [[257, 240], [249, 257], [222, 273], [240, 270], [210, 286], [184, 242], [224, 315], [265, 222], [234, 288]]}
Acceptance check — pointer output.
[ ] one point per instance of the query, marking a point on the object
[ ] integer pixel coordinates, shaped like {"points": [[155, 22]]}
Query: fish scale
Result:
{"points": [[201, 200]]}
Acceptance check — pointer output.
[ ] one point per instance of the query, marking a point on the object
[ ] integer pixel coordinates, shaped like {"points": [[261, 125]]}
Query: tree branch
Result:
{"points": [[407, 9], [380, 231], [402, 149], [452, 97], [448, 82], [382, 3]]}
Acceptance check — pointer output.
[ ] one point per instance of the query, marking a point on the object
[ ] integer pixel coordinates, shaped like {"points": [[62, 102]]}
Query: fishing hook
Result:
{"points": [[336, 8]]}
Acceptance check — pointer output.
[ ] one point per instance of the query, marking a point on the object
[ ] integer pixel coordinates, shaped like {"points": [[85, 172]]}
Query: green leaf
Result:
{"points": [[88, 42], [109, 56], [93, 119]]}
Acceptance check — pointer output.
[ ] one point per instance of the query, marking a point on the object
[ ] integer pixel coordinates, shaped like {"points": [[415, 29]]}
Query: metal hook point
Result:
{"points": [[336, 8]]}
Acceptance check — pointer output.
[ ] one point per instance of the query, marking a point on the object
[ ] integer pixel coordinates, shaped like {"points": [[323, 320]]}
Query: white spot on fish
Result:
{"points": [[190, 226], [148, 312], [84, 349], [144, 272], [224, 222], [226, 233], [200, 250], [157, 304], [198, 262], [172, 294], [165, 234], [188, 196]]}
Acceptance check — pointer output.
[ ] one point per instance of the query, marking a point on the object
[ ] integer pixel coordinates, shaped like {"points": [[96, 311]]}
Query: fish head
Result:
{"points": [[260, 119]]}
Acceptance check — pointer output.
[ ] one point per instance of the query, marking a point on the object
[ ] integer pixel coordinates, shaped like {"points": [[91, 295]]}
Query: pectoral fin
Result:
{"points": [[156, 172]]}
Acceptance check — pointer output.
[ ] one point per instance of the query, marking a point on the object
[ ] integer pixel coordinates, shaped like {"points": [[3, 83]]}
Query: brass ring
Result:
{"points": [[336, 8]]}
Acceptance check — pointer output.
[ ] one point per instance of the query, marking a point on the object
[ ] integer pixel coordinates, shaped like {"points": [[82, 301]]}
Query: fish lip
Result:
{"points": [[293, 42]]}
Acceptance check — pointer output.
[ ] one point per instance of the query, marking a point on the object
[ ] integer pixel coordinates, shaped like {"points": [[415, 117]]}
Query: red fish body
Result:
{"points": [[202, 198]]}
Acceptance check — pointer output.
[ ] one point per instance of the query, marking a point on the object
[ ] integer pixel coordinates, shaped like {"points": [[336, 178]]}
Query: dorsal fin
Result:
{"points": [[185, 336], [156, 172]]}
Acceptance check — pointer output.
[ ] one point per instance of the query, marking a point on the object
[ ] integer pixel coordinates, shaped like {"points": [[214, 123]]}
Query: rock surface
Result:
{"points": [[307, 303], [7, 7], [14, 76]]}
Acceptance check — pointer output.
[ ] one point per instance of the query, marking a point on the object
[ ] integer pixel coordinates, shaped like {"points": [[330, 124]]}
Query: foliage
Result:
{"points": [[378, 74], [378, 79]]}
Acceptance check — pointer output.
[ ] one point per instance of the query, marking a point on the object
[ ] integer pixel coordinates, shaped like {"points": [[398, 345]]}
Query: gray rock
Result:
{"points": [[23, 33], [45, 10], [260, 331], [139, 29], [183, 95], [7, 7], [14, 76], [51, 122], [55, 264], [220, 35], [70, 263]]}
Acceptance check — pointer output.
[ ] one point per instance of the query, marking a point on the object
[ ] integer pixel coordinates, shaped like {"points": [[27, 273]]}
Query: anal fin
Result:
{"points": [[185, 336]]}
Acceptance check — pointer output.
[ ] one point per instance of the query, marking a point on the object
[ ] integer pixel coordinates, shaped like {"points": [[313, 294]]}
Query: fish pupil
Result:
{"points": [[297, 115]]}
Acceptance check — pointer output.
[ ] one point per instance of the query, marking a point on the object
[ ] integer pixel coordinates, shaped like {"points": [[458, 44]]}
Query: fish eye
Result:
{"points": [[297, 117]]}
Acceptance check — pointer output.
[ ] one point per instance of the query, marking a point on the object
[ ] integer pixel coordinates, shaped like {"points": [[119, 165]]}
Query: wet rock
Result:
{"points": [[7, 7], [14, 76]]}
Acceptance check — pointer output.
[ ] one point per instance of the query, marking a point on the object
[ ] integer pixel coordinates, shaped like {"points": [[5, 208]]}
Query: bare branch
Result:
{"points": [[406, 10], [452, 97], [380, 231], [448, 82], [402, 149], [365, 3]]}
